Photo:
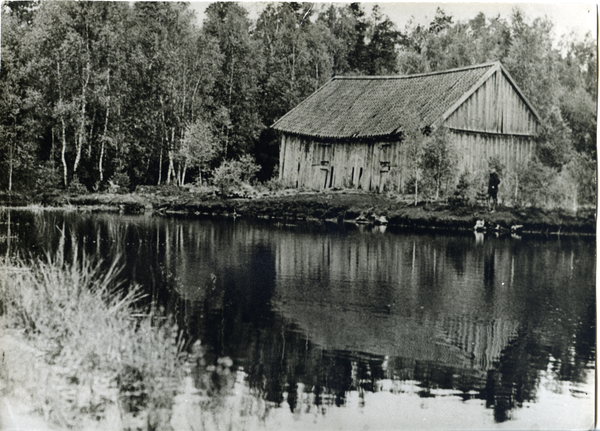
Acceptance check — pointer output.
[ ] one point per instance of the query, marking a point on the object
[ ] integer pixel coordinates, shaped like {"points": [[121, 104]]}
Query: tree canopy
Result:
{"points": [[95, 90]]}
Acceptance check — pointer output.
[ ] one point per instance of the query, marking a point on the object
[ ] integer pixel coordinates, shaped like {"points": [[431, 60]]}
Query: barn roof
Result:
{"points": [[375, 106]]}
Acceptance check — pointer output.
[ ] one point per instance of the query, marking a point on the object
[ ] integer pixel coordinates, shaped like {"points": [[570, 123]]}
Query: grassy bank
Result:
{"points": [[293, 205], [78, 349]]}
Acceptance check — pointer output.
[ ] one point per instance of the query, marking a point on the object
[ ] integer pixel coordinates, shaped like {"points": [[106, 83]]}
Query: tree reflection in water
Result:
{"points": [[315, 315]]}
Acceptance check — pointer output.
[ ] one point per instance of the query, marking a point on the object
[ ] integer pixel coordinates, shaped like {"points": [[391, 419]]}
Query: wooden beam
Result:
{"points": [[483, 132]]}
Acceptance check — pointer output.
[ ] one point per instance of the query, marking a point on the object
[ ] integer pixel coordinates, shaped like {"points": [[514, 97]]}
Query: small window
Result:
{"points": [[386, 153], [322, 154]]}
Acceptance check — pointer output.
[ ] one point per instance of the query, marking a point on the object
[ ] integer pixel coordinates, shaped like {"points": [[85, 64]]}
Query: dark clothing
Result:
{"points": [[493, 184]]}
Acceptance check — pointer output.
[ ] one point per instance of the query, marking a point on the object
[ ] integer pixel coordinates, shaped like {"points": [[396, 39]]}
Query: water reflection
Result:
{"points": [[319, 317]]}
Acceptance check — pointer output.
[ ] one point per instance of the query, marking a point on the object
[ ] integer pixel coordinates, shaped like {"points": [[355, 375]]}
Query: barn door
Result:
{"points": [[382, 180], [324, 176], [322, 157], [384, 165]]}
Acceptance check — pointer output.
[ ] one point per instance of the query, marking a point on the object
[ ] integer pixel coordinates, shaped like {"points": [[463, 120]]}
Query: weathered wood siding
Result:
{"points": [[378, 166], [493, 121], [475, 149], [495, 107], [318, 164]]}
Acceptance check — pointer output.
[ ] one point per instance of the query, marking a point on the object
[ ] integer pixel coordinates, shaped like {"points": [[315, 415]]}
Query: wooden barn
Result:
{"points": [[349, 132]]}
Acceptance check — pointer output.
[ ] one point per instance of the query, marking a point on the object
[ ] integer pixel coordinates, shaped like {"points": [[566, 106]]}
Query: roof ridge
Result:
{"points": [[377, 106], [417, 75]]}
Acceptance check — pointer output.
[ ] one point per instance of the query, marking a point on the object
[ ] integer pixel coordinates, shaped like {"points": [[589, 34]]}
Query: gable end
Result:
{"points": [[495, 105]]}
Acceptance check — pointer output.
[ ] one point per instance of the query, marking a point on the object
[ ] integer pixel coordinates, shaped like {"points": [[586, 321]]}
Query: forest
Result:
{"points": [[95, 94]]}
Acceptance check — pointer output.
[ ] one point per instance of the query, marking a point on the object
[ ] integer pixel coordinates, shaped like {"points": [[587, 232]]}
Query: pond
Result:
{"points": [[343, 327]]}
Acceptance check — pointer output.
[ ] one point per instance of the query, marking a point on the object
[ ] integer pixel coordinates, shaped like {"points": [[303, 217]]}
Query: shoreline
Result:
{"points": [[337, 206], [100, 401]]}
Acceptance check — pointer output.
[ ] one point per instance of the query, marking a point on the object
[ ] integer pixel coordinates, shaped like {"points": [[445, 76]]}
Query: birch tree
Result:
{"points": [[438, 159], [412, 148], [199, 148], [237, 87]]}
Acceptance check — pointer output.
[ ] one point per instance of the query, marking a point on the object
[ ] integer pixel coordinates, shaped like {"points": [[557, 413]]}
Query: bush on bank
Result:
{"points": [[102, 352]]}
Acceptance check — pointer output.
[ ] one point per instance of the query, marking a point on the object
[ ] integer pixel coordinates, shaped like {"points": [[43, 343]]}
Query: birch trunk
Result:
{"points": [[183, 173], [100, 166], [91, 134], [80, 136], [171, 171], [64, 149], [62, 121], [229, 107], [11, 149], [416, 187], [81, 125], [160, 163], [83, 109]]}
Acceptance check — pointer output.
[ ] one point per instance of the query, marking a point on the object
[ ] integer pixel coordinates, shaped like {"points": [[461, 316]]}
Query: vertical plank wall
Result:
{"points": [[475, 149], [355, 164], [495, 107], [358, 164], [493, 121]]}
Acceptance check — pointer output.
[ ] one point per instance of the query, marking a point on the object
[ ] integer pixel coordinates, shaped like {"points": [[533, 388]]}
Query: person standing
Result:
{"points": [[493, 184]]}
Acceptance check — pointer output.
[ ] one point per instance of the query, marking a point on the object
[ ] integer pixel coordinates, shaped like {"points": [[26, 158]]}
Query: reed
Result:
{"points": [[99, 350]]}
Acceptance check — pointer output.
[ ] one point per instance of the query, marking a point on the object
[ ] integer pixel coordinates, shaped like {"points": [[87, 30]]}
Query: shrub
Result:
{"points": [[582, 171], [438, 161], [545, 187], [248, 168], [76, 188], [119, 182], [426, 187], [48, 178], [226, 176], [508, 191], [410, 185], [232, 173], [534, 180], [464, 194], [275, 184]]}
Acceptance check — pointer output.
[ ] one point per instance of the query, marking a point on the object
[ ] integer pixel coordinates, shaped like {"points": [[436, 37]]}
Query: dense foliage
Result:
{"points": [[92, 91]]}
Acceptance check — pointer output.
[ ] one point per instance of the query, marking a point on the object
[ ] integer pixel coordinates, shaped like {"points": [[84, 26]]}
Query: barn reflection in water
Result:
{"points": [[318, 316]]}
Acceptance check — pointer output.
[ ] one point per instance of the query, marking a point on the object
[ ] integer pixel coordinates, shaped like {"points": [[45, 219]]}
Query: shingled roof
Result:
{"points": [[375, 106]]}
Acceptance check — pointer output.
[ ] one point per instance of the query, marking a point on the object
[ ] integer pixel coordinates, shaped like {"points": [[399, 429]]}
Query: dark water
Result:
{"points": [[336, 327]]}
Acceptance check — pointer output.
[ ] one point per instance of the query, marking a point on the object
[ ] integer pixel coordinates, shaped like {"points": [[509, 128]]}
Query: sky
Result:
{"points": [[567, 18]]}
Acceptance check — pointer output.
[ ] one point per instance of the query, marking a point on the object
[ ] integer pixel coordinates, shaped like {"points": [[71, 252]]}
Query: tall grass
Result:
{"points": [[102, 351]]}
